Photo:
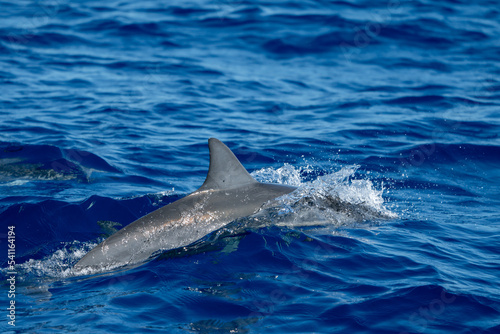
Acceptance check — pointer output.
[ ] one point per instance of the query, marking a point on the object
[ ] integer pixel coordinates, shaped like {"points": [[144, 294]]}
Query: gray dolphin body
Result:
{"points": [[229, 192]]}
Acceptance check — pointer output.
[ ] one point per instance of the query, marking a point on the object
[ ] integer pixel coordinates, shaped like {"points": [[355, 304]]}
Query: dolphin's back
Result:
{"points": [[229, 192]]}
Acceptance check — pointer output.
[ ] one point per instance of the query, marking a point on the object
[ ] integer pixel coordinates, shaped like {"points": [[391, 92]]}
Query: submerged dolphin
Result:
{"points": [[229, 192]]}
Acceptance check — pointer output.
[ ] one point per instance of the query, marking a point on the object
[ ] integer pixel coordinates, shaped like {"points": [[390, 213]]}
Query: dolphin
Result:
{"points": [[228, 193]]}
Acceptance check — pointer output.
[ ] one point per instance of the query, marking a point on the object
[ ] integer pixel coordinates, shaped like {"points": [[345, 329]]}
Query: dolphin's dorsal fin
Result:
{"points": [[225, 170]]}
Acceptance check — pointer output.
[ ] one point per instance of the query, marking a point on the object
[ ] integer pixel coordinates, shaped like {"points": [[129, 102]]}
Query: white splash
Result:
{"points": [[15, 183], [334, 198], [58, 264], [287, 175]]}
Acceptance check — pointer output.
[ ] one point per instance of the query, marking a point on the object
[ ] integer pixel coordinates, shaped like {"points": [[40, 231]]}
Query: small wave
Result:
{"points": [[46, 162], [44, 39]]}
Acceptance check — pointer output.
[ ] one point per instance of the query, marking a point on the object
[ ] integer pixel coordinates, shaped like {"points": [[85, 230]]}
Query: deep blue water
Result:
{"points": [[392, 108]]}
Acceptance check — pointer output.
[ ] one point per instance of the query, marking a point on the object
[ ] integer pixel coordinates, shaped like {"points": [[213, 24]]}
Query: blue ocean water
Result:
{"points": [[391, 108]]}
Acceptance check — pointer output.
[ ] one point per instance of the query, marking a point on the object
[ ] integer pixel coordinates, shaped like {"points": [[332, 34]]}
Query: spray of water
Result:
{"points": [[335, 198]]}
